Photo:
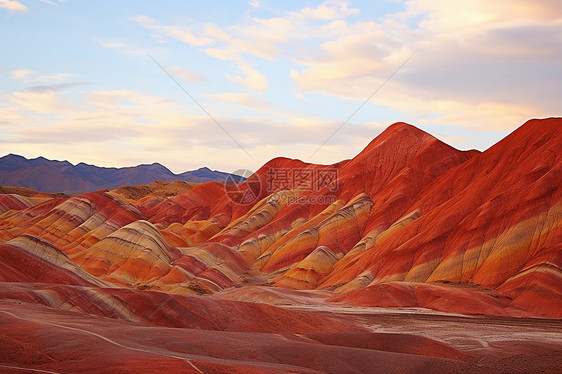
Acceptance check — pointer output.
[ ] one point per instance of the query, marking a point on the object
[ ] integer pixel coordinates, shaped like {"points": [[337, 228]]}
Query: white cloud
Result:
{"points": [[329, 10], [41, 102], [261, 37], [253, 79], [256, 37], [478, 64], [22, 73], [265, 37], [442, 16], [52, 2], [186, 75], [124, 127], [13, 6], [28, 75], [472, 58], [181, 33], [52, 77], [122, 47]]}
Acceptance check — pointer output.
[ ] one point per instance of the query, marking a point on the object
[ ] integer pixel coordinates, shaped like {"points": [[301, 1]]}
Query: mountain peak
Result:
{"points": [[12, 155], [399, 138], [402, 129]]}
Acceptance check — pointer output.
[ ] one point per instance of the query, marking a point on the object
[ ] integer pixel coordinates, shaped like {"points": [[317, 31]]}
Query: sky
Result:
{"points": [[232, 84]]}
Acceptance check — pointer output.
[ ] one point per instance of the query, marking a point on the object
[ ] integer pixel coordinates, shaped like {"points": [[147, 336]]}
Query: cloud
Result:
{"points": [[256, 37], [27, 75], [21, 73], [252, 79], [482, 116], [261, 37], [477, 64], [56, 87], [440, 16], [266, 37], [240, 102], [180, 33], [13, 6], [52, 2], [40, 102], [100, 116], [125, 127], [75, 135], [186, 75], [364, 50], [468, 57], [328, 11], [122, 47]]}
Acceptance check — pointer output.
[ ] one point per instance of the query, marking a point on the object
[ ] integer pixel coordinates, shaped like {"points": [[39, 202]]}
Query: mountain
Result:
{"points": [[287, 272], [157, 188], [491, 222], [61, 176]]}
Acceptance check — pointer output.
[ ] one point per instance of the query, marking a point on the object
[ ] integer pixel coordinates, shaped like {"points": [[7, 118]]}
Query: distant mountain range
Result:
{"points": [[46, 175]]}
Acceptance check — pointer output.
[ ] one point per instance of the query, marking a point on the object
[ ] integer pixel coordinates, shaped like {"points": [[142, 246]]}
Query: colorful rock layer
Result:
{"points": [[410, 221]]}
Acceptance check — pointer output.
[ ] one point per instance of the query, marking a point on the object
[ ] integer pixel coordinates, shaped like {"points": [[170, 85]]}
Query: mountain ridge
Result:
{"points": [[55, 176], [454, 256], [409, 216]]}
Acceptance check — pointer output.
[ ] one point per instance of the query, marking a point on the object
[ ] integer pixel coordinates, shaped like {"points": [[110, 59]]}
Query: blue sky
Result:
{"points": [[78, 82]]}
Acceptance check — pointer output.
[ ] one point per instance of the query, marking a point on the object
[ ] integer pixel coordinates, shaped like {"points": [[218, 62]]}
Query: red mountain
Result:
{"points": [[410, 222]]}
